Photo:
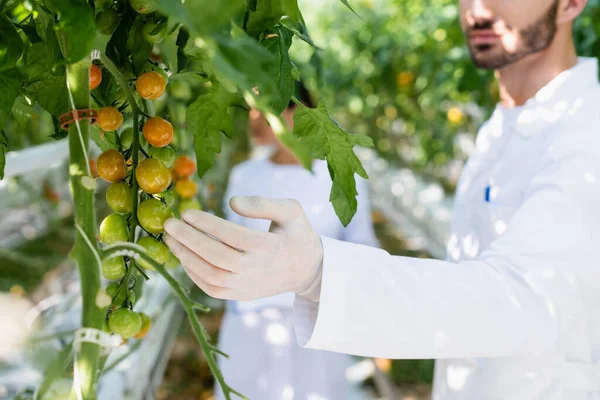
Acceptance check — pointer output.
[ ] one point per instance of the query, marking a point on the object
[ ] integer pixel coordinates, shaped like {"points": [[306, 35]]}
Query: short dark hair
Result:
{"points": [[302, 94]]}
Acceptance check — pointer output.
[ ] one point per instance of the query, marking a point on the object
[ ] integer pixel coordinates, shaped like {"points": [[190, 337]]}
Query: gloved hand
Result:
{"points": [[229, 261]]}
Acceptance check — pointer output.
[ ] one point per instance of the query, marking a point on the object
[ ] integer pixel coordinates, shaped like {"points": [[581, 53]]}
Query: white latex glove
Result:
{"points": [[244, 264]]}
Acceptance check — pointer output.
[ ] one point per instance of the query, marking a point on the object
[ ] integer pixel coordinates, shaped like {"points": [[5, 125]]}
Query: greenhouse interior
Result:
{"points": [[171, 170]]}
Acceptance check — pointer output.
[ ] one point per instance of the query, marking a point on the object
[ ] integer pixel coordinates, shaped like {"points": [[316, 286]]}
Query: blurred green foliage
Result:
{"points": [[401, 73]]}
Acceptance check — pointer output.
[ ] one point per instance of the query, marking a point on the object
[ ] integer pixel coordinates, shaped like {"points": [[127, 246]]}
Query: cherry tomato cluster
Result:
{"points": [[153, 200]]}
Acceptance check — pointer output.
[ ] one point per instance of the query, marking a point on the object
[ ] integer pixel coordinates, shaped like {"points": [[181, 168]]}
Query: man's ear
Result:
{"points": [[569, 10]]}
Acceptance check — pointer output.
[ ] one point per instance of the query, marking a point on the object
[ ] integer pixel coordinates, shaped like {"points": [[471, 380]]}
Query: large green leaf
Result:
{"points": [[201, 16], [294, 20], [77, 29], [207, 117], [281, 68], [139, 47], [11, 45], [267, 15], [51, 93], [328, 141], [9, 89], [42, 57]]}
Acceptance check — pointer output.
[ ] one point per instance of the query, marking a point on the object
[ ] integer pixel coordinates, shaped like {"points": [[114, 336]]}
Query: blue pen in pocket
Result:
{"points": [[486, 196]]}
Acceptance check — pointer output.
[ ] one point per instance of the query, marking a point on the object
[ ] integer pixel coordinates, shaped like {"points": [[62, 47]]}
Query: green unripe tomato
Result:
{"points": [[152, 215], [144, 6], [107, 21], [113, 268], [155, 249], [127, 138], [119, 197], [165, 154], [113, 229], [167, 197], [125, 322], [189, 204], [152, 33], [173, 262]]}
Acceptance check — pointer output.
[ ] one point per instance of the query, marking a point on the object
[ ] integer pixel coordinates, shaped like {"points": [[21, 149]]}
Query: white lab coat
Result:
{"points": [[514, 313], [265, 361]]}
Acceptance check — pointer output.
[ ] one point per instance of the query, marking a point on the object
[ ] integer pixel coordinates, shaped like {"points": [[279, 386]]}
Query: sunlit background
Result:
{"points": [[399, 73]]}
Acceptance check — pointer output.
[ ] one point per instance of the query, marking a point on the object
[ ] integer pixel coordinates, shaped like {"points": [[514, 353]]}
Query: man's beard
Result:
{"points": [[533, 39]]}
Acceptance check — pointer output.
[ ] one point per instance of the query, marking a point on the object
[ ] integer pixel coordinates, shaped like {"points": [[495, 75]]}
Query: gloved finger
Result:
{"points": [[217, 253], [232, 234], [280, 211], [192, 262]]}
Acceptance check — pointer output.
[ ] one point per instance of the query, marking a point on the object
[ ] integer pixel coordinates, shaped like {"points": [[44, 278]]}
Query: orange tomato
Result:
{"points": [[150, 85], [158, 132], [186, 188], [111, 166], [95, 76], [152, 176], [109, 118], [184, 167]]}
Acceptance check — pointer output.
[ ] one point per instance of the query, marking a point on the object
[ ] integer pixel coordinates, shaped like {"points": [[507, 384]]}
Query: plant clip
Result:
{"points": [[105, 340], [78, 115]]}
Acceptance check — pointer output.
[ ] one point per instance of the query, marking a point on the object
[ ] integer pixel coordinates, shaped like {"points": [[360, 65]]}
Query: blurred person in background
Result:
{"points": [[265, 361], [513, 313]]}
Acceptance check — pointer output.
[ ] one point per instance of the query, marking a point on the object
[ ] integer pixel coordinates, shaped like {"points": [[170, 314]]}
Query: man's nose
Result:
{"points": [[479, 12]]}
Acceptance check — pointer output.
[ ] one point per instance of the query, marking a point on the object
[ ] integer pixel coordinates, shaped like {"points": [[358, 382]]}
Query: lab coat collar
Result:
{"points": [[561, 96]]}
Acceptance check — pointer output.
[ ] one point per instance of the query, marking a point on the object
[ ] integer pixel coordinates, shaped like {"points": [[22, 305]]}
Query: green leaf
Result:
{"points": [[294, 20], [9, 87], [207, 117], [348, 5], [328, 141], [77, 29], [42, 22], [139, 47], [281, 68], [267, 15], [3, 147], [51, 93], [42, 57], [241, 62], [11, 46], [201, 16]]}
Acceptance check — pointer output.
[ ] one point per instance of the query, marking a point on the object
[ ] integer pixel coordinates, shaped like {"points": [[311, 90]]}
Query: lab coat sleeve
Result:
{"points": [[513, 300], [360, 229]]}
